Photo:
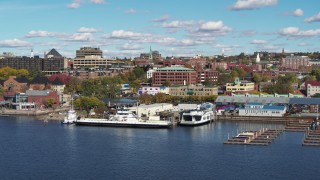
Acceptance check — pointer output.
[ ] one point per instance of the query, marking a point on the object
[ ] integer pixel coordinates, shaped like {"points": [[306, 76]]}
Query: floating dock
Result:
{"points": [[312, 138], [298, 125], [263, 137]]}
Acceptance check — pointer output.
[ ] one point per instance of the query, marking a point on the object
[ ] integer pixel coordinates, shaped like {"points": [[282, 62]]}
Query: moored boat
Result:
{"points": [[71, 116], [124, 118], [202, 115]]}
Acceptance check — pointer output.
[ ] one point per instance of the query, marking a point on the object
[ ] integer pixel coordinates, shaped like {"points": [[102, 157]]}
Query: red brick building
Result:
{"points": [[176, 75], [14, 84], [42, 98], [173, 62]]}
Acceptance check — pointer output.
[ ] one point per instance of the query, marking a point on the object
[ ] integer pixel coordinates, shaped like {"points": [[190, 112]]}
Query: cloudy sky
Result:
{"points": [[125, 28]]}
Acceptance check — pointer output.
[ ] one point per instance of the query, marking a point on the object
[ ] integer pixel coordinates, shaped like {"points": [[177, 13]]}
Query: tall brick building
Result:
{"points": [[176, 75]]}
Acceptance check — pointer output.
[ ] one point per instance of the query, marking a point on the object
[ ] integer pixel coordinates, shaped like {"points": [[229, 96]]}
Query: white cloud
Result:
{"points": [[178, 24], [122, 34], [296, 32], [252, 4], [75, 4], [298, 12], [40, 33], [162, 18], [98, 1], [129, 46], [87, 30], [313, 18], [131, 11], [199, 28], [212, 25], [257, 41], [14, 43], [303, 44], [80, 37]]}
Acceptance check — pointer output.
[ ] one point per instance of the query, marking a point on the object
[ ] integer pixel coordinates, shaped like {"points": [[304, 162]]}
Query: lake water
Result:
{"points": [[31, 150]]}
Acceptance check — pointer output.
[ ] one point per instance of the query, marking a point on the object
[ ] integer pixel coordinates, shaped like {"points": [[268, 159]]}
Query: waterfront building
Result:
{"points": [[258, 109], [295, 62], [42, 98], [149, 90], [14, 84], [57, 85], [193, 90], [152, 110], [312, 88], [175, 75], [239, 86], [40, 83]]}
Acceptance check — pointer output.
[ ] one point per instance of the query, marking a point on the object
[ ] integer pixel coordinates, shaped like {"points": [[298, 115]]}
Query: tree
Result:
{"points": [[145, 98], [310, 78], [317, 95], [167, 83], [50, 102], [316, 73], [160, 98], [89, 102], [257, 78], [224, 78]]}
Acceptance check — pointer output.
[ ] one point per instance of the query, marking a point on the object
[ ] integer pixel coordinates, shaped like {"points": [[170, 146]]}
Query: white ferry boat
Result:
{"points": [[202, 115], [124, 118], [71, 116]]}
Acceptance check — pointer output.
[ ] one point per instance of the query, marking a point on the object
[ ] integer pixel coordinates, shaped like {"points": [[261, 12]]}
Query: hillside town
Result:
{"points": [[51, 81]]}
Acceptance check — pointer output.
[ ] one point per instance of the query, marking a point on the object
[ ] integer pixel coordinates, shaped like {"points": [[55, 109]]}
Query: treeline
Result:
{"points": [[164, 98]]}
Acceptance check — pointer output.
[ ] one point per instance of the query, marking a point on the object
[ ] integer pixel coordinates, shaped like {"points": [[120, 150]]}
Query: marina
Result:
{"points": [[312, 138], [263, 137]]}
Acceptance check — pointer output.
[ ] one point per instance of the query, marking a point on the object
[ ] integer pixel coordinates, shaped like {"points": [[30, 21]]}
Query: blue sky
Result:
{"points": [[126, 28]]}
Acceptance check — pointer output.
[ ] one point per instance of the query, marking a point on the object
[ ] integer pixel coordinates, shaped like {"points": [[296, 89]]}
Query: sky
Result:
{"points": [[126, 28]]}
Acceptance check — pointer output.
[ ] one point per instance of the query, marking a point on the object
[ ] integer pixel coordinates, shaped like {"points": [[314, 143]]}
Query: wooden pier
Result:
{"points": [[263, 137], [301, 125], [312, 138]]}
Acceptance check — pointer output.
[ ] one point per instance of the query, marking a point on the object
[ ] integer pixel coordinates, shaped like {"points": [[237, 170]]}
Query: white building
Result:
{"points": [[258, 109], [152, 110], [312, 88], [150, 71]]}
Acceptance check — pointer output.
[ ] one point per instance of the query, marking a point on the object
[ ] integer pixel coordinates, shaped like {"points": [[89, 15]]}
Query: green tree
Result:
{"points": [[317, 95], [167, 83], [257, 78], [224, 78], [73, 86], [316, 73], [310, 78], [145, 98], [89, 102], [50, 102], [160, 98]]}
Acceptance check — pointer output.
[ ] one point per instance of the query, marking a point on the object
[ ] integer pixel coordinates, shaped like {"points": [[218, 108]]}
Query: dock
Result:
{"points": [[312, 138], [264, 137], [301, 125]]}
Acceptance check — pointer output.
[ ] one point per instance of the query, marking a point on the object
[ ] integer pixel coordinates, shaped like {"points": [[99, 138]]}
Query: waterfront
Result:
{"points": [[31, 149]]}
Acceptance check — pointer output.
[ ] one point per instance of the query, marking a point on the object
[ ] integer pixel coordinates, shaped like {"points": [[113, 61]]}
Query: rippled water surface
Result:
{"points": [[32, 150]]}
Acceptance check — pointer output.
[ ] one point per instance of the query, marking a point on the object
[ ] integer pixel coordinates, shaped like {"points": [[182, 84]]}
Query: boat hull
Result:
{"points": [[192, 123], [123, 124]]}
